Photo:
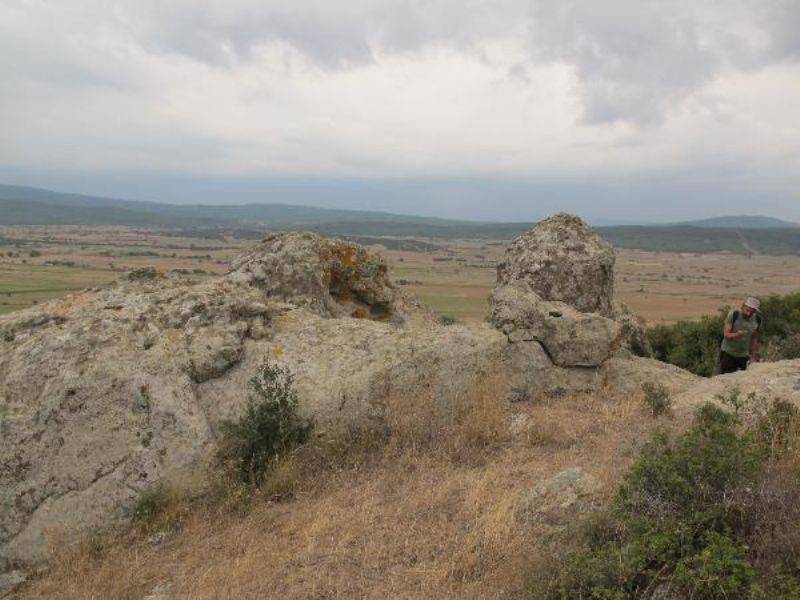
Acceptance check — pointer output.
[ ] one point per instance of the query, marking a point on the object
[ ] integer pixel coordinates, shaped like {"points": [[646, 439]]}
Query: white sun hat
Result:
{"points": [[753, 303]]}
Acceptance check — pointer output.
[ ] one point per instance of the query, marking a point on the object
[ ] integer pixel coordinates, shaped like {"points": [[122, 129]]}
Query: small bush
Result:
{"points": [[691, 345], [657, 398], [151, 504], [732, 398], [448, 320], [269, 428], [783, 348], [711, 514], [779, 428]]}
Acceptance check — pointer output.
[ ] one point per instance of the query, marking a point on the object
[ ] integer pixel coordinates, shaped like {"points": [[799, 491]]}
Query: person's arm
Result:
{"points": [[730, 334]]}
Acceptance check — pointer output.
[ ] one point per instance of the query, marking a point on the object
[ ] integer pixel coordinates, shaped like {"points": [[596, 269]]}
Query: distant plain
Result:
{"points": [[455, 277]]}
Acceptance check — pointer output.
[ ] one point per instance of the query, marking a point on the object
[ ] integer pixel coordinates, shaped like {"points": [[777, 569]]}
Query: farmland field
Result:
{"points": [[455, 277]]}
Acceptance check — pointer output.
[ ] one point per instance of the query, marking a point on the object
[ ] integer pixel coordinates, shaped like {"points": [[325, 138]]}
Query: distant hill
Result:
{"points": [[742, 222], [33, 206], [690, 238]]}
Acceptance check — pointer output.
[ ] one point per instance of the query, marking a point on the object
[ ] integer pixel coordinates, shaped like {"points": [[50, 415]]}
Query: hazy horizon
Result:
{"points": [[392, 197]]}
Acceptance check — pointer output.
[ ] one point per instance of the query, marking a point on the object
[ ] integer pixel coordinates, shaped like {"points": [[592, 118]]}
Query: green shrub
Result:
{"points": [[732, 397], [657, 398], [781, 316], [712, 513], [691, 345], [719, 570], [448, 320], [787, 348], [694, 345], [269, 428], [689, 478], [151, 504], [779, 427]]}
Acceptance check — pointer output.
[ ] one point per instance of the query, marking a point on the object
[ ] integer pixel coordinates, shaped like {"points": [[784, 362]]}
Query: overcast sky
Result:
{"points": [[505, 109]]}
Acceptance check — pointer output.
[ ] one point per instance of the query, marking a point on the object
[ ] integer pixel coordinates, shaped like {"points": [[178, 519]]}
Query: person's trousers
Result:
{"points": [[730, 364]]}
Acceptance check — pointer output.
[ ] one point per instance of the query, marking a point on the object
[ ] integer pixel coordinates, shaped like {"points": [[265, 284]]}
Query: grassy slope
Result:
{"points": [[432, 511]]}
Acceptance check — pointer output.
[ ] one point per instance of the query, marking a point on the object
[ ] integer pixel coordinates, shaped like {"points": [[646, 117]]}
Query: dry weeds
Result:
{"points": [[420, 505]]}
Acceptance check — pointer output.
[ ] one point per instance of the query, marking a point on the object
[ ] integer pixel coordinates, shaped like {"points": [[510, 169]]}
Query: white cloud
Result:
{"points": [[402, 89]]}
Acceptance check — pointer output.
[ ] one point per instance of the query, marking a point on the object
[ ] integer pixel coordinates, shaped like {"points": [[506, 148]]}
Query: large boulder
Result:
{"points": [[105, 393], [571, 338], [556, 286], [99, 398], [562, 259]]}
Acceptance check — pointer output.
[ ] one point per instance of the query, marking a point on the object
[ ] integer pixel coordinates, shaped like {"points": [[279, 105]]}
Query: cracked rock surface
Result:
{"points": [[555, 286], [563, 260], [104, 393]]}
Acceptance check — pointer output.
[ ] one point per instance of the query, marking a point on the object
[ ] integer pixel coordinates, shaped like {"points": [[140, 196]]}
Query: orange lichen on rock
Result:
{"points": [[333, 277]]}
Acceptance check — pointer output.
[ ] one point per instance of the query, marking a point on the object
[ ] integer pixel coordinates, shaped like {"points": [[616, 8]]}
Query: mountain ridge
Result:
{"points": [[741, 222], [167, 214], [295, 214], [740, 234]]}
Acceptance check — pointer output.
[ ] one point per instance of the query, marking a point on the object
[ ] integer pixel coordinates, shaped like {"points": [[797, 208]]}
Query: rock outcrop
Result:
{"points": [[104, 393], [570, 337], [556, 287], [331, 277], [767, 381], [563, 260], [633, 333]]}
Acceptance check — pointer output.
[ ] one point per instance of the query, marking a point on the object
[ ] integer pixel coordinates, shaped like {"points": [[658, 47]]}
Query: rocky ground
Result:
{"points": [[105, 393]]}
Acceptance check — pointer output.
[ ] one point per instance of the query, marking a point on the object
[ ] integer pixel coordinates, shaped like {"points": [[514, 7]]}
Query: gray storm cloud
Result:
{"points": [[635, 59], [371, 88]]}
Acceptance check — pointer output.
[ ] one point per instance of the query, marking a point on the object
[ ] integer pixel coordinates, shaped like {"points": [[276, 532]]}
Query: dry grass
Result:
{"points": [[419, 505]]}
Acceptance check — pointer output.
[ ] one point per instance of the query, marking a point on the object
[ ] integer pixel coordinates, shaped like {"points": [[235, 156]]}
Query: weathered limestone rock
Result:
{"points": [[104, 393], [98, 398], [571, 338], [562, 494], [531, 375], [331, 277], [627, 375], [766, 380], [563, 260], [634, 333], [556, 286]]}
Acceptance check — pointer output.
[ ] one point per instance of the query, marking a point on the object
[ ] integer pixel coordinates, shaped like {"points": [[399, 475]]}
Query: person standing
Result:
{"points": [[741, 337]]}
